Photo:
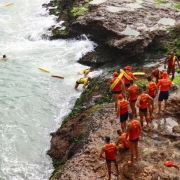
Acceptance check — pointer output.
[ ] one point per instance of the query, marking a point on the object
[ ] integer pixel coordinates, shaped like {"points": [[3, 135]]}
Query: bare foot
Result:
{"points": [[130, 163], [135, 158]]}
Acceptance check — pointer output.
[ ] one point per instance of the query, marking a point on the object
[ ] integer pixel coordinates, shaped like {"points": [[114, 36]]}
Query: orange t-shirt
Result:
{"points": [[123, 106], [110, 151], [133, 92], [144, 100], [134, 131], [117, 88], [152, 88], [164, 84], [126, 81], [124, 141]]}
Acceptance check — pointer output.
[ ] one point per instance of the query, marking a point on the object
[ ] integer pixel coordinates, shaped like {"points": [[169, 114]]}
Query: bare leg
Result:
{"points": [[115, 101], [124, 124], [136, 150], [122, 127], [165, 104], [147, 121], [76, 86], [132, 152], [141, 118], [150, 109], [159, 106], [173, 72], [116, 165], [109, 170]]}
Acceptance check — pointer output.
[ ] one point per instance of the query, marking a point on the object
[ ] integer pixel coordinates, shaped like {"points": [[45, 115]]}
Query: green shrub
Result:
{"points": [[177, 79]]}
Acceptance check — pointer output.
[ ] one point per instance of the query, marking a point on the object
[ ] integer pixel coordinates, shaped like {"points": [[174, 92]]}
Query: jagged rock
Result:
{"points": [[176, 129]]}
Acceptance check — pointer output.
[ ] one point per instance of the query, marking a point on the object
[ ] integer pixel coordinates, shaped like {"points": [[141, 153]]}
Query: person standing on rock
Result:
{"points": [[132, 95], [142, 102], [164, 85], [130, 74], [133, 133], [122, 143], [171, 59], [110, 150], [157, 74], [117, 89], [151, 90], [122, 112]]}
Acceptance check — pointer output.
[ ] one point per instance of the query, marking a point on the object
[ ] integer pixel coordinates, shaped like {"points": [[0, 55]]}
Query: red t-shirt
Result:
{"points": [[126, 81], [123, 106], [133, 92], [110, 151], [144, 100], [124, 141], [164, 84], [134, 131], [152, 88]]}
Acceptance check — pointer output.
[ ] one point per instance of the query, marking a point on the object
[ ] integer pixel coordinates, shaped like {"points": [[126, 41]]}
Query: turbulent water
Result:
{"points": [[32, 103]]}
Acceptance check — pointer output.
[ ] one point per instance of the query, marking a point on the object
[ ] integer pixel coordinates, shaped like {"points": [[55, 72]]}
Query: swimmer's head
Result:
{"points": [[149, 78], [4, 56], [131, 116], [89, 79], [131, 81]]}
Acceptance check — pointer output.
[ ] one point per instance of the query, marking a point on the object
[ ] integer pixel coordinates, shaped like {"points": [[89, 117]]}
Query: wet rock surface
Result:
{"points": [[158, 144]]}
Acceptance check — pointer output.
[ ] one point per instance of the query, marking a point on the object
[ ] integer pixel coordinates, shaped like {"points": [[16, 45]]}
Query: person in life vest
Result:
{"points": [[130, 74], [133, 133], [87, 71], [171, 59], [122, 112], [83, 81], [164, 85], [142, 102], [157, 74], [132, 95], [122, 143], [117, 89], [110, 150], [151, 90]]}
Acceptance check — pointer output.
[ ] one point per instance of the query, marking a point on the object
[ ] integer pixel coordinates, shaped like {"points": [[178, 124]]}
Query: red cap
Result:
{"points": [[168, 163], [165, 75], [115, 74], [120, 96], [128, 67]]}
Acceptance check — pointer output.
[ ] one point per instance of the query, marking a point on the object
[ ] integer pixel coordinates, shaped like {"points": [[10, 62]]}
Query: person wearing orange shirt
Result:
{"points": [[157, 74], [164, 85], [130, 74], [151, 90], [133, 133], [122, 143], [110, 150], [122, 112], [117, 89], [133, 94], [171, 59], [142, 102]]}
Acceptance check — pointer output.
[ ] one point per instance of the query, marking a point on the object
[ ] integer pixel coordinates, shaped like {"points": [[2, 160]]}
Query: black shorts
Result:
{"points": [[127, 85], [133, 101], [108, 160], [163, 95], [134, 140], [118, 92], [144, 110], [77, 82], [124, 117]]}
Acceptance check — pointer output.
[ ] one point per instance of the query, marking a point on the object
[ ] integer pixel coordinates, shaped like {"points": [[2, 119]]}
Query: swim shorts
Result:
{"points": [[134, 140], [118, 92], [144, 110], [124, 117], [163, 95]]}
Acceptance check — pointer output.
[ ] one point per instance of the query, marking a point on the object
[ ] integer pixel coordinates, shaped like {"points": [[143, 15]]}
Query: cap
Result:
{"points": [[115, 74], [120, 96], [165, 75], [128, 67]]}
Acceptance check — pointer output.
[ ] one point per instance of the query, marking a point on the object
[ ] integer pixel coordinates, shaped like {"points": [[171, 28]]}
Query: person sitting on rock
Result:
{"points": [[151, 90], [117, 89], [83, 81], [122, 143], [171, 59], [142, 102], [110, 150], [130, 74], [157, 74], [133, 133], [122, 112], [133, 94], [164, 85]]}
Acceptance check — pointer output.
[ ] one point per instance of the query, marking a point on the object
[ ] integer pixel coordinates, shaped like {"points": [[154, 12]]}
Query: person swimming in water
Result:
{"points": [[4, 57]]}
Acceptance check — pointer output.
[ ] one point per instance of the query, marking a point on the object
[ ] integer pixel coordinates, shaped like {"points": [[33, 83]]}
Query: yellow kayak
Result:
{"points": [[139, 73], [44, 69], [8, 4]]}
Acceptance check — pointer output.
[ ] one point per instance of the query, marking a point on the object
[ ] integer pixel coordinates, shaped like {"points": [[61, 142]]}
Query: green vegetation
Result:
{"points": [[76, 11], [177, 79], [178, 70], [141, 83], [159, 2], [76, 139], [176, 5]]}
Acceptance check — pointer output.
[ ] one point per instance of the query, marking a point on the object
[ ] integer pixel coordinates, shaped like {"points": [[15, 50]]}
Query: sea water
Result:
{"points": [[32, 103]]}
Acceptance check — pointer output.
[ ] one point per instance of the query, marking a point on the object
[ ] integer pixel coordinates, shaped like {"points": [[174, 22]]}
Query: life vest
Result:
{"points": [[110, 151], [133, 92], [123, 106], [152, 88], [144, 100], [171, 62], [124, 141], [117, 88], [164, 84], [134, 131]]}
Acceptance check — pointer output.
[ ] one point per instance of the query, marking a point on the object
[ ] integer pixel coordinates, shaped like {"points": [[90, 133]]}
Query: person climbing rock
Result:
{"points": [[83, 81], [157, 74], [110, 150], [122, 112], [122, 143], [132, 96], [117, 89], [164, 85], [133, 133], [142, 102], [151, 90], [130, 74], [171, 60], [87, 71]]}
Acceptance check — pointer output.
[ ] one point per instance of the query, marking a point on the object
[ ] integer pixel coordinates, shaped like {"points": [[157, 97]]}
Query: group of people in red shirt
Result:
{"points": [[129, 133]]}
